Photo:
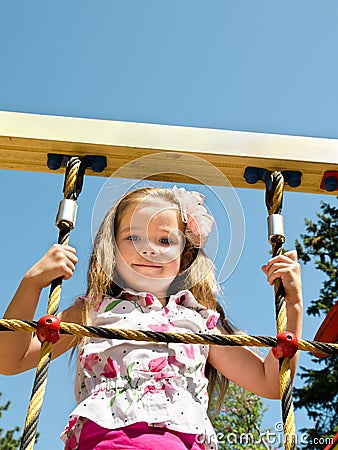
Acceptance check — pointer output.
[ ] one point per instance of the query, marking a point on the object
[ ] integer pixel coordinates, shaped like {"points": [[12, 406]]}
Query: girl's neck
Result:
{"points": [[163, 300]]}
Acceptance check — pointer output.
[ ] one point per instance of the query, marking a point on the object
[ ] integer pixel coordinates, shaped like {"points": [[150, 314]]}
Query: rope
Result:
{"points": [[155, 336], [72, 188], [274, 200]]}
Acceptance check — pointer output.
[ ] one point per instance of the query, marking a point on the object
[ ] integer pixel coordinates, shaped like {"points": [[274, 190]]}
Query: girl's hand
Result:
{"points": [[287, 268], [59, 261]]}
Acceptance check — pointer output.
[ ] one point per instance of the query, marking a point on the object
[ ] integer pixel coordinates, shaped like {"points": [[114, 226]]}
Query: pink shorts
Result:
{"points": [[138, 436]]}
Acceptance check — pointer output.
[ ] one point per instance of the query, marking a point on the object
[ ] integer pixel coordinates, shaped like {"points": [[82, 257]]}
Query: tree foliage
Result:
{"points": [[239, 423], [8, 440], [319, 394]]}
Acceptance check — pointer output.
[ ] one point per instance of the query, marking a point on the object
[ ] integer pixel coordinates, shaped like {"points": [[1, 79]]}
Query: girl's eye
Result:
{"points": [[166, 240], [133, 237]]}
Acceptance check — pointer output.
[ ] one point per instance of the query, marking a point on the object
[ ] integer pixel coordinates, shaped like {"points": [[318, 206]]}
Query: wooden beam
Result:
{"points": [[26, 139]]}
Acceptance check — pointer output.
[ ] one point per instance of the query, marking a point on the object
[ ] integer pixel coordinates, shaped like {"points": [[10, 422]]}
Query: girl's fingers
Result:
{"points": [[285, 274], [279, 273], [68, 273], [71, 257], [284, 266], [59, 261], [277, 266], [268, 269], [61, 252], [288, 258], [287, 269], [292, 254]]}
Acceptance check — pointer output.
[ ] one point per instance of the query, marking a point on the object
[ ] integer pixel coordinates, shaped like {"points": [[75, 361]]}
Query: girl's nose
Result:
{"points": [[149, 250]]}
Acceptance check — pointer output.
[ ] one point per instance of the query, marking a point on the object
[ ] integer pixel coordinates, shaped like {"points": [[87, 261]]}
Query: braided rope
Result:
{"points": [[72, 187], [40, 381], [274, 199], [155, 336]]}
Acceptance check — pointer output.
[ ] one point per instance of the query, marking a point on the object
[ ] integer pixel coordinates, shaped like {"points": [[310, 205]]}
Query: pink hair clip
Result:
{"points": [[194, 214]]}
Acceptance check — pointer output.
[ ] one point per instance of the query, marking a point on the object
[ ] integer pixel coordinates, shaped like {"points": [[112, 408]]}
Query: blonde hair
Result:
{"points": [[196, 271]]}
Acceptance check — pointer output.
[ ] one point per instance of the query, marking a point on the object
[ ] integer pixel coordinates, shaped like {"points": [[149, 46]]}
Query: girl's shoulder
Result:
{"points": [[73, 313]]}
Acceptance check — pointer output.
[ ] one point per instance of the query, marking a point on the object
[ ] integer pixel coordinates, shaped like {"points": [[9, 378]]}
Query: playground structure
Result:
{"points": [[311, 164], [27, 139]]}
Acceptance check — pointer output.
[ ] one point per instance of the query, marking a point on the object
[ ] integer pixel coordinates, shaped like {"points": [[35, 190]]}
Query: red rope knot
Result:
{"points": [[48, 329], [287, 345]]}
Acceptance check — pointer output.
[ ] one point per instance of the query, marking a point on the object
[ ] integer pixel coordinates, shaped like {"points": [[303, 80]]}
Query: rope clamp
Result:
{"points": [[48, 329], [66, 213], [275, 227], [287, 345]]}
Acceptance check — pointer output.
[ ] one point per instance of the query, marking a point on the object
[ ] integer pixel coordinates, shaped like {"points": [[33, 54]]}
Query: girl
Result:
{"points": [[148, 271]]}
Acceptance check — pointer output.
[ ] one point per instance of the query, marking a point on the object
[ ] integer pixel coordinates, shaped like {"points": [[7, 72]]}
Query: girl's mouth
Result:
{"points": [[148, 265]]}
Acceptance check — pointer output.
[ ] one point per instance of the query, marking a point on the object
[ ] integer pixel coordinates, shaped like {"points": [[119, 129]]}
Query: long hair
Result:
{"points": [[196, 271]]}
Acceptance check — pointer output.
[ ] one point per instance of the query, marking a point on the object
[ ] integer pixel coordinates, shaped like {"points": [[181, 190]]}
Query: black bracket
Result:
{"points": [[254, 174], [95, 162]]}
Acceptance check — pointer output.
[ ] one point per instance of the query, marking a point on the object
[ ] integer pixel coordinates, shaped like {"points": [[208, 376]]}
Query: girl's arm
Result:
{"points": [[20, 351], [246, 368]]}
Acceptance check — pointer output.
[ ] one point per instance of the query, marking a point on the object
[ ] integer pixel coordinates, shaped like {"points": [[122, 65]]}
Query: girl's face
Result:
{"points": [[149, 245]]}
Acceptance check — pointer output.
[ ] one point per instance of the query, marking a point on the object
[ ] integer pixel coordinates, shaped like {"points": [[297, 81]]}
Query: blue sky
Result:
{"points": [[247, 65]]}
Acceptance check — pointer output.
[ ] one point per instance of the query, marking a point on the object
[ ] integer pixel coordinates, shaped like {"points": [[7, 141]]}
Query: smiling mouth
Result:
{"points": [[156, 266]]}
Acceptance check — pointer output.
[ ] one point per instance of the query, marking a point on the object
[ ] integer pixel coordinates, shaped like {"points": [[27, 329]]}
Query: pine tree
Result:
{"points": [[319, 394], [8, 440]]}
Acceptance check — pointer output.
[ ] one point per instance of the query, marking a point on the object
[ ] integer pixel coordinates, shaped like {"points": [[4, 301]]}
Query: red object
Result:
{"points": [[328, 331], [333, 444], [287, 345], [48, 329], [330, 181]]}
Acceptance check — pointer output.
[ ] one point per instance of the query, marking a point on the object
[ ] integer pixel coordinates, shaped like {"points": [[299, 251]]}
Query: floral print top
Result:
{"points": [[121, 382]]}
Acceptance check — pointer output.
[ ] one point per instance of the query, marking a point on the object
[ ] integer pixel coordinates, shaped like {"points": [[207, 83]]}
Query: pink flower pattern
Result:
{"points": [[164, 327], [189, 350], [90, 361], [212, 322], [152, 389], [149, 299], [111, 369], [157, 364], [173, 361]]}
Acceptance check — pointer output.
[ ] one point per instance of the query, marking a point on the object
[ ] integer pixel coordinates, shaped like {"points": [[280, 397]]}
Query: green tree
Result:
{"points": [[8, 440], [319, 394], [239, 423]]}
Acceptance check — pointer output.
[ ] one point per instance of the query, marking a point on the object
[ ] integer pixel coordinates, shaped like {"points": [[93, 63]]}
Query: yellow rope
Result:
{"points": [[39, 387], [71, 179], [281, 320], [37, 396], [281, 325], [187, 338], [54, 298], [289, 421]]}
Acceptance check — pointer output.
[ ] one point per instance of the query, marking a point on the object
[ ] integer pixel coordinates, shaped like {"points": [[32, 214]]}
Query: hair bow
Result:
{"points": [[194, 214]]}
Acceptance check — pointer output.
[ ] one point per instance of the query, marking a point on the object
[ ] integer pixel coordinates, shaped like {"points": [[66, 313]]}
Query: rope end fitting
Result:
{"points": [[287, 345], [48, 329], [66, 215], [276, 228]]}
